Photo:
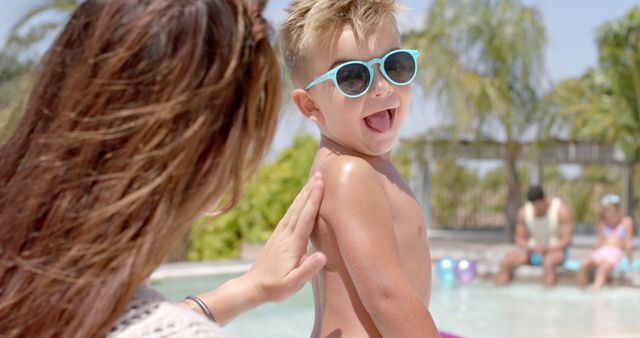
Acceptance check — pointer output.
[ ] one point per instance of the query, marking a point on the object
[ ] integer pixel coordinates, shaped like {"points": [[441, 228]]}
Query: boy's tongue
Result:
{"points": [[379, 122]]}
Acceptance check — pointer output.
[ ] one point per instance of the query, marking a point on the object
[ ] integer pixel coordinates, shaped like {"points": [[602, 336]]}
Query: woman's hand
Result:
{"points": [[283, 266]]}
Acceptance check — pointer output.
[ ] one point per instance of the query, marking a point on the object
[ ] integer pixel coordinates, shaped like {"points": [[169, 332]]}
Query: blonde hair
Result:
{"points": [[310, 22]]}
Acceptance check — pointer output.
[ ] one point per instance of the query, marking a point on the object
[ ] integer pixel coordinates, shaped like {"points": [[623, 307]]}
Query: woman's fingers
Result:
{"points": [[283, 266], [300, 275], [293, 213], [305, 223]]}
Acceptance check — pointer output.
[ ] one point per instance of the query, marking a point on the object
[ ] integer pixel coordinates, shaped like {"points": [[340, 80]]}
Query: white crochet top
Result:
{"points": [[150, 315]]}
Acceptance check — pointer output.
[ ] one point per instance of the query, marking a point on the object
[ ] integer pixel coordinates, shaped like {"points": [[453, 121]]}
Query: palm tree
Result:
{"points": [[604, 103], [483, 62]]}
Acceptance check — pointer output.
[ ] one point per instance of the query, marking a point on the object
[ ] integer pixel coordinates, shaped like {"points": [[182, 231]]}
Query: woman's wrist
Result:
{"points": [[232, 298], [250, 289], [204, 308]]}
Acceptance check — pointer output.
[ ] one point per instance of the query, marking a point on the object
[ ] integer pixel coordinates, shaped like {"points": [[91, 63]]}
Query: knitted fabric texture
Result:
{"points": [[150, 315]]}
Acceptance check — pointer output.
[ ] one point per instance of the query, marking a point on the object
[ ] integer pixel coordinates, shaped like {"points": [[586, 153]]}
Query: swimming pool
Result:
{"points": [[478, 310]]}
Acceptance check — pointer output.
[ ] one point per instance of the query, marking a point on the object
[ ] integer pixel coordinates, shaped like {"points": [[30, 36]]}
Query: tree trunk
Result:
{"points": [[631, 208], [513, 190], [420, 181]]}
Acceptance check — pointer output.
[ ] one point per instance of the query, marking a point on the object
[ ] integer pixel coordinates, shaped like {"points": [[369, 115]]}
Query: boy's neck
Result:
{"points": [[340, 149]]}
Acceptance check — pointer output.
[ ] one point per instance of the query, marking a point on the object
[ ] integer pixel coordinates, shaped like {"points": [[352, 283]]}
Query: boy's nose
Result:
{"points": [[380, 86]]}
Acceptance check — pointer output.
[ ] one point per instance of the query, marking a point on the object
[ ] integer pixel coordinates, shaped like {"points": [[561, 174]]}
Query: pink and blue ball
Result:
{"points": [[465, 271]]}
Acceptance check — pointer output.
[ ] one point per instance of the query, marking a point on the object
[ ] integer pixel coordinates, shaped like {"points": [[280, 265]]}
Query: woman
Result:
{"points": [[145, 114], [615, 238]]}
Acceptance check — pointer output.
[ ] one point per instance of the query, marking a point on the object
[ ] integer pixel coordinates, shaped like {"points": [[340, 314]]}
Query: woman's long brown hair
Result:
{"points": [[144, 113]]}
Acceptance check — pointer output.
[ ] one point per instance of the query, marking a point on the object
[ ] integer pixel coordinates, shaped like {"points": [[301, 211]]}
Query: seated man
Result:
{"points": [[543, 233]]}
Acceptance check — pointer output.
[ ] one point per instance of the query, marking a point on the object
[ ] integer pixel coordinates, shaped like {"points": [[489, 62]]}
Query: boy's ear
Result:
{"points": [[307, 105]]}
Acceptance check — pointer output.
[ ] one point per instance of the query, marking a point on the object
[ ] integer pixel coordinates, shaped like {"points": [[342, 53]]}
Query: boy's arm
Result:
{"points": [[357, 208]]}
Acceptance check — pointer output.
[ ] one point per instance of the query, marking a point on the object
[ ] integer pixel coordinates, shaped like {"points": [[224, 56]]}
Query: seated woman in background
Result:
{"points": [[615, 238]]}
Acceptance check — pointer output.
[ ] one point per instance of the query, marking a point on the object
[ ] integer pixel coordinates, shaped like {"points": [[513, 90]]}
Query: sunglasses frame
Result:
{"points": [[333, 73]]}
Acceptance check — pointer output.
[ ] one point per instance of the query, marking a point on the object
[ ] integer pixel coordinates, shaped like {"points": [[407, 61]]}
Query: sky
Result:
{"points": [[571, 50], [570, 24]]}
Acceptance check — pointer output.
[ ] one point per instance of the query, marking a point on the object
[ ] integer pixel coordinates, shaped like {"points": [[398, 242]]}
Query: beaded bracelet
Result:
{"points": [[203, 307]]}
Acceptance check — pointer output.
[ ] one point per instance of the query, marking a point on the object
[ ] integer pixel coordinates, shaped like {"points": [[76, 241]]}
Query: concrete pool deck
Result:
{"points": [[486, 249]]}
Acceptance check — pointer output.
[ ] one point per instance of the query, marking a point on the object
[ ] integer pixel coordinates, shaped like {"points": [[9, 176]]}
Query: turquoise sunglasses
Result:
{"points": [[354, 78]]}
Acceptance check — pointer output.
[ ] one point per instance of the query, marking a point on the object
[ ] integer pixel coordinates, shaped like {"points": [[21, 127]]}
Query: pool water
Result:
{"points": [[519, 310]]}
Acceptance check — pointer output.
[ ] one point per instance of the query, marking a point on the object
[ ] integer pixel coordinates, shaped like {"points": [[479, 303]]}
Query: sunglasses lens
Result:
{"points": [[400, 67], [353, 79]]}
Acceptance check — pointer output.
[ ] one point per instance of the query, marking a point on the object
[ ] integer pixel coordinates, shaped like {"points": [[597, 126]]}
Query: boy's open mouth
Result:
{"points": [[382, 121]]}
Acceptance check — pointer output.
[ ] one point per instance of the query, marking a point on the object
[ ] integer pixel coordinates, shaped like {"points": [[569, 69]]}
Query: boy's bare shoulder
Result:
{"points": [[354, 198], [353, 191], [346, 170]]}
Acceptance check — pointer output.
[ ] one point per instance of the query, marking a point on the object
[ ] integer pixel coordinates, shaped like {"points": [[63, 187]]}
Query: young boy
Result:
{"points": [[353, 78]]}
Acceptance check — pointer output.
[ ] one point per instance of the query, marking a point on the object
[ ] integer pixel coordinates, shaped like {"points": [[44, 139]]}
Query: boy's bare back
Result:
{"points": [[372, 230]]}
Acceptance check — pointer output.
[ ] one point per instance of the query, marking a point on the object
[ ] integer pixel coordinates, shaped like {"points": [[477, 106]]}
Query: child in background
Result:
{"points": [[353, 77], [615, 238]]}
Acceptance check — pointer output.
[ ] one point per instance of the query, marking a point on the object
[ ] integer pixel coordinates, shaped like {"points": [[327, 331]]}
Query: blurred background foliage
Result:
{"points": [[483, 63]]}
